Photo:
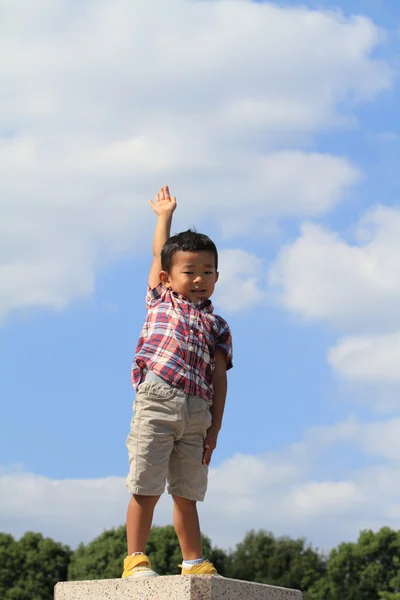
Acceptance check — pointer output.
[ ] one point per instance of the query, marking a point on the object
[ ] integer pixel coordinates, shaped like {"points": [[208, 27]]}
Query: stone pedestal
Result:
{"points": [[175, 587]]}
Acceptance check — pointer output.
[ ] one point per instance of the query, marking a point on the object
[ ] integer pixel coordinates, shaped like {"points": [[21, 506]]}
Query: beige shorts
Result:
{"points": [[166, 442]]}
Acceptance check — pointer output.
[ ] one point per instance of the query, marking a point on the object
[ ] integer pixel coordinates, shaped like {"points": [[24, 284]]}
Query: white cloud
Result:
{"points": [[326, 497], [379, 438], [368, 359], [67, 510], [96, 111], [389, 136], [299, 492], [295, 183], [240, 284], [355, 286]]}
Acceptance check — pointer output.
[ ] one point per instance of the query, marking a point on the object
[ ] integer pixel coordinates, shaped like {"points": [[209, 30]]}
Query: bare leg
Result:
{"points": [[138, 522], [187, 527]]}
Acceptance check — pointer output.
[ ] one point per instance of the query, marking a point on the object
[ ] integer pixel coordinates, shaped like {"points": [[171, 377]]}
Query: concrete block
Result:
{"points": [[174, 587]]}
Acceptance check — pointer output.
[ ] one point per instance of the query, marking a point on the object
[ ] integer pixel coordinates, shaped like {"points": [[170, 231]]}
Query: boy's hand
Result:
{"points": [[163, 203], [210, 443]]}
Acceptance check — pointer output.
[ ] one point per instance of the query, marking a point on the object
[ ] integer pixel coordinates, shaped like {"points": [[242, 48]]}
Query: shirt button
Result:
{"points": [[191, 348]]}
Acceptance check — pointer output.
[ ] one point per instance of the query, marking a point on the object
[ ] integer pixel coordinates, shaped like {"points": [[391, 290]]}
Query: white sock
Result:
{"points": [[186, 564]]}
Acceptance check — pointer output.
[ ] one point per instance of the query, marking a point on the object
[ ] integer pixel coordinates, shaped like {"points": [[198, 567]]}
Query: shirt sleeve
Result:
{"points": [[155, 295], [224, 342]]}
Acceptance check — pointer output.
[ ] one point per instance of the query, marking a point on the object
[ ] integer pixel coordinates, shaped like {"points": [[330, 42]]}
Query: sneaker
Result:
{"points": [[138, 566], [204, 568]]}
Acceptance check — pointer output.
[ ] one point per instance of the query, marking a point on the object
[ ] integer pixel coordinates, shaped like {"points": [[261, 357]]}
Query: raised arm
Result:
{"points": [[164, 207]]}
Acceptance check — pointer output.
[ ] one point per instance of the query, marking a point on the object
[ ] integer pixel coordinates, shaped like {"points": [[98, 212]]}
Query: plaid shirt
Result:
{"points": [[178, 342]]}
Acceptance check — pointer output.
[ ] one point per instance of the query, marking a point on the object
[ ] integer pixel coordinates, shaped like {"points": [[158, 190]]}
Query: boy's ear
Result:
{"points": [[164, 278], [216, 276]]}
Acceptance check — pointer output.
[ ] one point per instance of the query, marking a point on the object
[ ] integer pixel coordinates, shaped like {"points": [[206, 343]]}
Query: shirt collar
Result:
{"points": [[204, 305]]}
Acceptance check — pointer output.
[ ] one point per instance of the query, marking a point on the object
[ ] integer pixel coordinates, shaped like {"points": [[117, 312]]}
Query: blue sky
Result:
{"points": [[280, 138]]}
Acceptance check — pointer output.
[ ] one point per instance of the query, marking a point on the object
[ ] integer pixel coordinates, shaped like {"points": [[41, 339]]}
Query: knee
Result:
{"points": [[144, 501], [184, 504]]}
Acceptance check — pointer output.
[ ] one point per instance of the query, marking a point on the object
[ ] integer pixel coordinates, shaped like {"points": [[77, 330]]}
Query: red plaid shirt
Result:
{"points": [[178, 342]]}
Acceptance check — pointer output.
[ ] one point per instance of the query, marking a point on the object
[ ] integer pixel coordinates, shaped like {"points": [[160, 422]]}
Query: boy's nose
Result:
{"points": [[198, 279]]}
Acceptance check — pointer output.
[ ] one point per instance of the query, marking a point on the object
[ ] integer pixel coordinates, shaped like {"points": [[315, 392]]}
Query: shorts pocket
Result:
{"points": [[208, 417], [199, 415], [155, 391]]}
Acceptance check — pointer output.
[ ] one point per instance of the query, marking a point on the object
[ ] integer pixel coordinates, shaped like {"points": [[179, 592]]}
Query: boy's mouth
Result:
{"points": [[198, 291]]}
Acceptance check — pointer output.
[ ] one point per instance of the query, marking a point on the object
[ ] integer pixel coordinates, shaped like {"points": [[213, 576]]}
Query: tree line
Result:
{"points": [[368, 569]]}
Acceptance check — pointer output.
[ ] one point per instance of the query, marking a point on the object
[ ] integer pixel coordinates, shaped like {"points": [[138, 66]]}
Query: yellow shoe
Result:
{"points": [[138, 566], [204, 568]]}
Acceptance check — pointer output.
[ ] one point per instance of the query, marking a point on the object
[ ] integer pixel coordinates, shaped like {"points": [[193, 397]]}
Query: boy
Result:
{"points": [[179, 373]]}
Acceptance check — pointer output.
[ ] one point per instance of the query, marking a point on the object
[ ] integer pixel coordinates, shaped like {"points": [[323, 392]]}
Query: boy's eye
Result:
{"points": [[188, 272]]}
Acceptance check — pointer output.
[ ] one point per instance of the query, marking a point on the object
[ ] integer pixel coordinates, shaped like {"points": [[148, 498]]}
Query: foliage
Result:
{"points": [[103, 557], [30, 568], [163, 548], [9, 563], [365, 570], [276, 561]]}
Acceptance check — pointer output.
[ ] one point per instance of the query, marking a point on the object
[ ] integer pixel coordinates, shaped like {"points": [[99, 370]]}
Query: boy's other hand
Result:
{"points": [[163, 203], [210, 443]]}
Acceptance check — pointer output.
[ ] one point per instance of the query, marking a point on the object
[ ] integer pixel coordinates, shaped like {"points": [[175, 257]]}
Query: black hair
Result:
{"points": [[187, 241]]}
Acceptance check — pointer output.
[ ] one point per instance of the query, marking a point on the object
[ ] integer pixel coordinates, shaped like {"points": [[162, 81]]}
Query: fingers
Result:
{"points": [[207, 457], [208, 451], [163, 194], [162, 197]]}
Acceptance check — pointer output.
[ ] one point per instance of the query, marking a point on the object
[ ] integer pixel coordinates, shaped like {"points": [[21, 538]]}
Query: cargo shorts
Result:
{"points": [[166, 442]]}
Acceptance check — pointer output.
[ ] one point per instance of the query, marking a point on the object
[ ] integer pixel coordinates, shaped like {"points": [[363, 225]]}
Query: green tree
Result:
{"points": [[9, 563], [296, 565], [103, 557], [365, 570], [163, 548], [32, 566], [283, 561], [250, 558]]}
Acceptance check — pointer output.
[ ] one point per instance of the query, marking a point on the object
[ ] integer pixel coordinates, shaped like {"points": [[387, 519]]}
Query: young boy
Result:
{"points": [[179, 373]]}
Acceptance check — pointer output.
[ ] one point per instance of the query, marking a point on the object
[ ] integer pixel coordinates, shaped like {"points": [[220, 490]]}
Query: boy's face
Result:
{"points": [[192, 275]]}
